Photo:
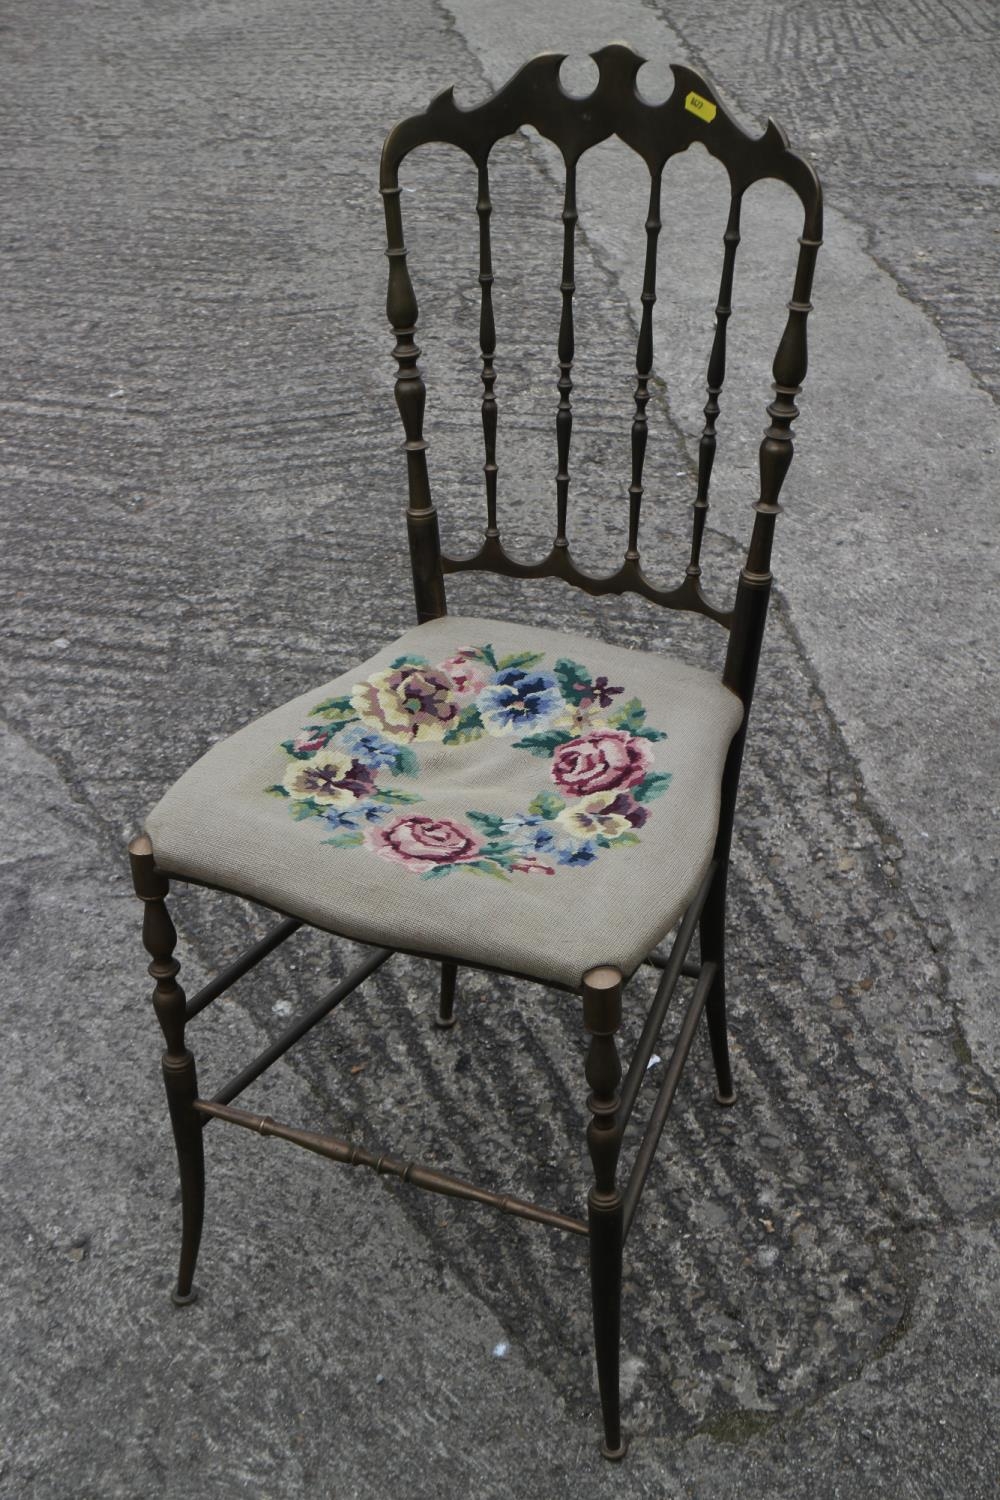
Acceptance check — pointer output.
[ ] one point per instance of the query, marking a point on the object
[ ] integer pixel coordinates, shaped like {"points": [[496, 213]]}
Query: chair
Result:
{"points": [[489, 794]]}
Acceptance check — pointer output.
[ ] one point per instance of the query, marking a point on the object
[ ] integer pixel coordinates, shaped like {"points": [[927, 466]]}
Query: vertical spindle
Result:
{"points": [[777, 448], [716, 378], [421, 517], [564, 415], [488, 344], [643, 367]]}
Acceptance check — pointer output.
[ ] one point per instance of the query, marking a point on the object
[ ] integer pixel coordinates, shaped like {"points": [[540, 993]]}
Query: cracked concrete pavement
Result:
{"points": [[203, 478]]}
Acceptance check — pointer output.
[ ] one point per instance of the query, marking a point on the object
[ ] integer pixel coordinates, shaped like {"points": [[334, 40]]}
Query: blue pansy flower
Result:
{"points": [[516, 699], [367, 746], [531, 832], [350, 819], [576, 854]]}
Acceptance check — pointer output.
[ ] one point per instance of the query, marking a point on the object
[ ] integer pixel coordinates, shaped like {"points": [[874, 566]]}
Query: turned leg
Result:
{"points": [[712, 930], [601, 1018], [159, 939], [446, 1008]]}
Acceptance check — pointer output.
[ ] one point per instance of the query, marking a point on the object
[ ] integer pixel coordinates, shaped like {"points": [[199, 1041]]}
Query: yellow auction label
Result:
{"points": [[703, 108]]}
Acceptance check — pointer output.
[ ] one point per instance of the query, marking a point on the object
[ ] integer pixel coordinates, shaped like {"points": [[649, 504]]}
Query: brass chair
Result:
{"points": [[486, 793]]}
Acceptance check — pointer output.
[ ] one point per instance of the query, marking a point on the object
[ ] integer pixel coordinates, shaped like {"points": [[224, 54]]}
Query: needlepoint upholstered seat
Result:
{"points": [[490, 793], [583, 778]]}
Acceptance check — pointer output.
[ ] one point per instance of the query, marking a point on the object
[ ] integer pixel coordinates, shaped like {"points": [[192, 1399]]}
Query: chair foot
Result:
{"points": [[725, 1100], [444, 1023], [615, 1455], [184, 1299]]}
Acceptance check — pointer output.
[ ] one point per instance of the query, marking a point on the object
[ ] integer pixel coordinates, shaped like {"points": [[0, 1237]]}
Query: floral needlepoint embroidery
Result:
{"points": [[349, 766], [424, 843]]}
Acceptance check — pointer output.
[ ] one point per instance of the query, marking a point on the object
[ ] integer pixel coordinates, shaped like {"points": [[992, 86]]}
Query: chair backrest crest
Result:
{"points": [[692, 114]]}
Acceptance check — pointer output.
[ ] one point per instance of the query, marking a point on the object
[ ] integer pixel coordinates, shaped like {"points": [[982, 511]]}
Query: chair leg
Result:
{"points": [[159, 938], [712, 931], [445, 1017], [601, 1018]]}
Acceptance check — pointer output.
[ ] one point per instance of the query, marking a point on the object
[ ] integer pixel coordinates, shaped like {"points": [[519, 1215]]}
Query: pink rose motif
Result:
{"points": [[600, 761], [468, 677], [310, 740], [420, 842]]}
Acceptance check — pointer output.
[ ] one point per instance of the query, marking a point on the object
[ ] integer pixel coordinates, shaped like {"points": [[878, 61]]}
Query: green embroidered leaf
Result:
{"points": [[489, 656], [621, 840], [306, 807], [336, 708], [408, 661], [547, 805], [317, 732], [469, 727], [652, 786], [490, 823], [504, 854], [520, 659], [438, 870], [650, 734], [630, 716], [278, 791], [344, 840], [544, 744], [390, 794], [574, 680], [406, 763], [482, 867]]}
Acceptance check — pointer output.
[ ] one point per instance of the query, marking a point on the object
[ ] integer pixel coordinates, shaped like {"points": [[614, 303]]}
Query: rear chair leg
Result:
{"points": [[602, 989], [159, 939], [712, 931], [446, 1008]]}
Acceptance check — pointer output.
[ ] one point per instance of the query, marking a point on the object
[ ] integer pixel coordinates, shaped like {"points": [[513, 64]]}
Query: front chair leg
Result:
{"points": [[602, 990], [445, 1017], [712, 933], [159, 938]]}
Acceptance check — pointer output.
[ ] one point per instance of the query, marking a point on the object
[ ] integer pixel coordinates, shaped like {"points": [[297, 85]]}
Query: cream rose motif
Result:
{"points": [[408, 703], [354, 767]]}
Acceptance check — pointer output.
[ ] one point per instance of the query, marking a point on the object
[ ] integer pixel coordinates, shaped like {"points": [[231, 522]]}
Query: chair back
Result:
{"points": [[535, 97]]}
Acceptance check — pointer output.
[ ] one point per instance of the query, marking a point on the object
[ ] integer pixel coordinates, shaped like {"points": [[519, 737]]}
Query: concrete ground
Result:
{"points": [[204, 491]]}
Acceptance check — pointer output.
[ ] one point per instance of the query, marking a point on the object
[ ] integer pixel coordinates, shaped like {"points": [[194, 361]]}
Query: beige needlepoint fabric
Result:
{"points": [[519, 797]]}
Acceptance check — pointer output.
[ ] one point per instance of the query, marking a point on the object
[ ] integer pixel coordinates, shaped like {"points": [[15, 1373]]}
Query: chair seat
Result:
{"points": [[523, 798]]}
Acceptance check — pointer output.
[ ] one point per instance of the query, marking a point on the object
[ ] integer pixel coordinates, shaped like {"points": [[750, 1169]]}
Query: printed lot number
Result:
{"points": [[703, 108]]}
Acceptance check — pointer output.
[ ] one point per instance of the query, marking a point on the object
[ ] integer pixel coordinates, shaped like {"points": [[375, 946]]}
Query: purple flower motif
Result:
{"points": [[406, 704], [516, 699], [627, 807], [605, 693], [358, 780], [330, 778]]}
